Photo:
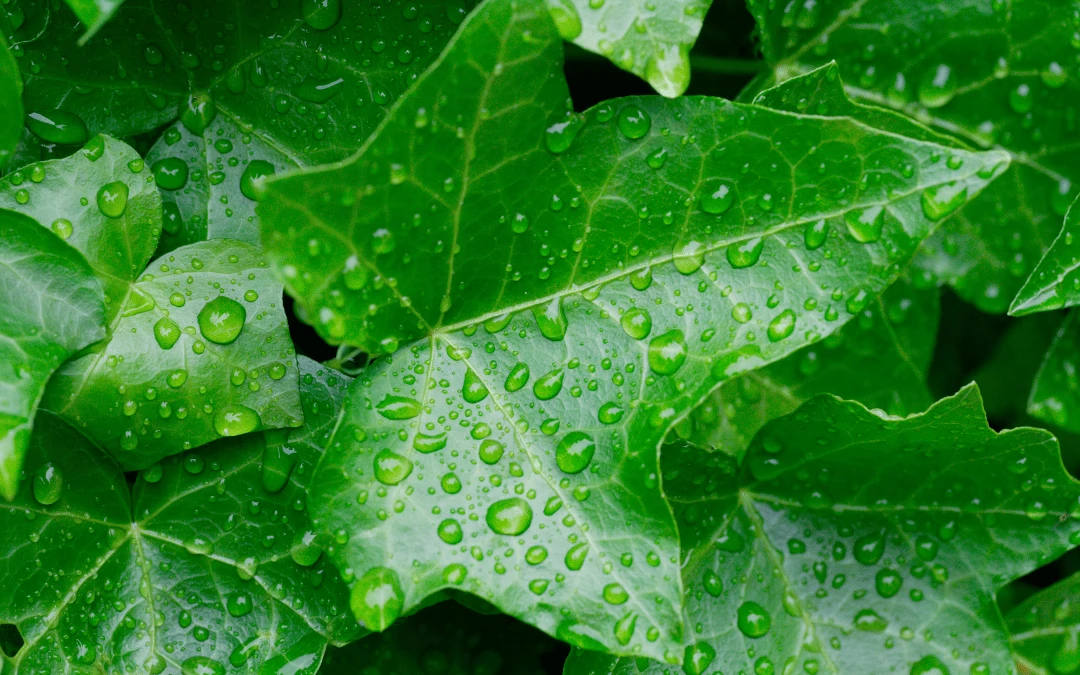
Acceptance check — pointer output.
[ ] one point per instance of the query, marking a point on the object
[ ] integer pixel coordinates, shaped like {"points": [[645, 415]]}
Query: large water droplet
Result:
{"points": [[48, 484], [719, 200], [929, 665], [865, 225], [239, 604], [870, 621], [637, 323], [474, 390], [753, 621], [197, 111], [278, 461], [57, 126], [391, 468], [202, 665], [166, 332], [450, 532], [697, 658], [305, 551], [745, 253], [548, 386], [398, 407], [221, 320], [509, 516], [316, 90], [112, 199], [937, 87], [575, 557], [170, 173], [235, 420], [667, 352], [575, 451], [253, 180], [377, 599], [634, 122], [517, 378], [869, 549], [560, 136], [941, 200], [551, 320]]}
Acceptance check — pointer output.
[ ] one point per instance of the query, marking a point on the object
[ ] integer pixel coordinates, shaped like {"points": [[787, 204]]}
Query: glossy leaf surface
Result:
{"points": [[650, 39], [100, 201], [11, 111], [1055, 393], [166, 579], [880, 359], [50, 307], [849, 538], [1045, 630], [200, 350], [1055, 283], [992, 74], [476, 445], [311, 80]]}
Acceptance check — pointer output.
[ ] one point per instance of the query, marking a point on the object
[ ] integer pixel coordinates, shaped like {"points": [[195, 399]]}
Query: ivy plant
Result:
{"points": [[524, 337]]}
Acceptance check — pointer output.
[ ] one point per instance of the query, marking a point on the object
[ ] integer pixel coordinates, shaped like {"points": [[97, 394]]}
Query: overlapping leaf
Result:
{"points": [[880, 359], [849, 538], [50, 307], [202, 570], [1046, 630], [11, 111], [1055, 394], [200, 350], [99, 200], [518, 460], [650, 39], [93, 14], [993, 74], [1055, 283]]}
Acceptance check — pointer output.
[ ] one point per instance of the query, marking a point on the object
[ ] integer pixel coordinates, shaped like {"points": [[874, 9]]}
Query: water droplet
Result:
{"points": [[202, 665], [610, 413], [112, 199], [509, 516], [197, 111], [391, 468], [166, 332], [319, 90], [548, 386], [567, 19], [491, 451], [634, 122], [377, 599], [815, 234], [305, 551], [689, 257], [551, 320], [697, 658], [278, 461], [428, 443], [239, 604], [474, 389], [536, 555], [170, 173], [870, 621], [398, 407], [48, 484], [517, 378], [753, 621], [1020, 99], [865, 225], [615, 594], [937, 87], [941, 200], [637, 323], [235, 420], [560, 136], [252, 181], [929, 665], [746, 253], [624, 628], [714, 586], [575, 451], [57, 126], [667, 352], [888, 583], [1054, 76], [575, 557], [719, 200], [742, 313], [221, 320], [450, 531], [869, 549], [781, 326]]}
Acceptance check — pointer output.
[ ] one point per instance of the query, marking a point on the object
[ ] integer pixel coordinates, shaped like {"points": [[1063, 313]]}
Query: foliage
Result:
{"points": [[624, 382]]}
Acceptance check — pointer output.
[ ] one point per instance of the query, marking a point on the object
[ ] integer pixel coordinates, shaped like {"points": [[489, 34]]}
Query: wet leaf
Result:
{"points": [[532, 403], [200, 350], [1055, 393], [1055, 282], [11, 110], [50, 307], [200, 568], [849, 538], [1045, 630]]}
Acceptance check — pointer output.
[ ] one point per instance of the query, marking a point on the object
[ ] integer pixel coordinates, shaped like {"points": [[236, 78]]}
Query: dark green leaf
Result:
{"points": [[310, 86], [101, 201], [1055, 283], [202, 570], [650, 39], [50, 307], [200, 350], [1055, 394], [880, 359], [849, 538], [543, 426], [1046, 630], [11, 111], [993, 74], [446, 639]]}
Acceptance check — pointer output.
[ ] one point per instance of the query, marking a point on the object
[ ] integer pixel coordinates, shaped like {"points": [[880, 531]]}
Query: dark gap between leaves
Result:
{"points": [[11, 640], [304, 337]]}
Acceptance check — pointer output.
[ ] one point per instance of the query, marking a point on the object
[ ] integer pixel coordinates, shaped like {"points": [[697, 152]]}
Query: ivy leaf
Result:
{"points": [[200, 350], [11, 111], [50, 307], [1046, 630], [93, 14], [446, 639], [99, 200], [650, 39], [547, 421], [102, 580], [849, 537], [880, 359], [1053, 284], [1055, 393], [992, 75], [311, 80]]}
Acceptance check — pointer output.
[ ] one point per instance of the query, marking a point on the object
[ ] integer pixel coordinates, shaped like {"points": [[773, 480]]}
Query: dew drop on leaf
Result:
{"points": [[509, 516], [391, 468], [575, 452]]}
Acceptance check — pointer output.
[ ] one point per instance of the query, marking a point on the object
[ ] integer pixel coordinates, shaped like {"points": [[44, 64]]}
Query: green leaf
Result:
{"points": [[650, 39], [79, 198], [1054, 283], [93, 14], [201, 568], [880, 359], [311, 80], [50, 307], [1046, 630], [849, 538], [200, 350], [993, 75], [589, 357], [1055, 393], [446, 639], [11, 111]]}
